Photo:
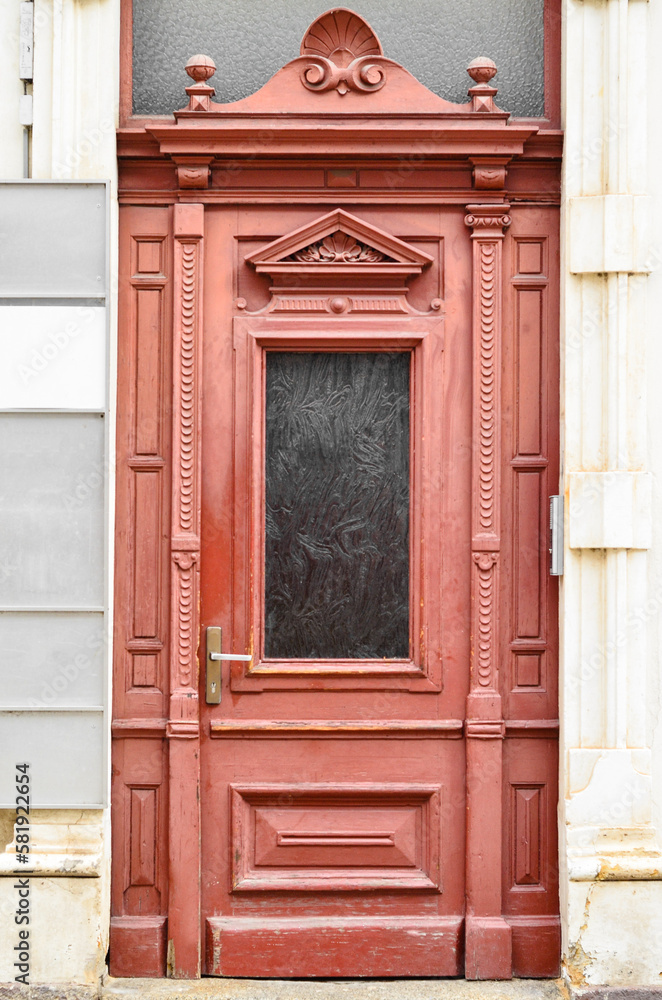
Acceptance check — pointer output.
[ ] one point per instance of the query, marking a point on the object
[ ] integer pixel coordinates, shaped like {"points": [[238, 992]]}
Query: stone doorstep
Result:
{"points": [[270, 989], [311, 989], [299, 989], [339, 989], [618, 993]]}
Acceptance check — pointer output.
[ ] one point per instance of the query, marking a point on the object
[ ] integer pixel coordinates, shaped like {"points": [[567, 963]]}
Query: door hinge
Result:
{"points": [[26, 41], [556, 535]]}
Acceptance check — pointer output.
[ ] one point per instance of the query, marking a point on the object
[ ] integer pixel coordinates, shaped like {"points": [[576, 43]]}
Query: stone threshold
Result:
{"points": [[295, 989], [316, 989], [334, 989]]}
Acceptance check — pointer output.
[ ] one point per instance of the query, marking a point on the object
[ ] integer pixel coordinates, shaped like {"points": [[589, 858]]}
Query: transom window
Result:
{"points": [[249, 40]]}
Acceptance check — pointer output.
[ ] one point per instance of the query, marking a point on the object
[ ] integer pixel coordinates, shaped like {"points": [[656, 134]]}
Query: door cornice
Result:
{"points": [[353, 103]]}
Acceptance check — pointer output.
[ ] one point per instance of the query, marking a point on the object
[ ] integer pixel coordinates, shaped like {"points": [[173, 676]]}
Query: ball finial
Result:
{"points": [[482, 69], [200, 68]]}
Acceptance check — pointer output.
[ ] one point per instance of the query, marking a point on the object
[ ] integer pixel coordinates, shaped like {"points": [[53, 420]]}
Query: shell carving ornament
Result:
{"points": [[342, 48], [338, 247], [342, 36]]}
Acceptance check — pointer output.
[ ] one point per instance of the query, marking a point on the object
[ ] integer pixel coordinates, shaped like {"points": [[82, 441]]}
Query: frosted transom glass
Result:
{"points": [[52, 485], [249, 40]]}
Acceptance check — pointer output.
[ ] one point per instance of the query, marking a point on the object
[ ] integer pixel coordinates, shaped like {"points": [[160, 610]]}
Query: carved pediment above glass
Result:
{"points": [[342, 247], [341, 55], [339, 263], [339, 240]]}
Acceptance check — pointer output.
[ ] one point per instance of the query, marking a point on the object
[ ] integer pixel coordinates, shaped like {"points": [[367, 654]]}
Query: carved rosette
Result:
{"points": [[186, 472], [488, 224]]}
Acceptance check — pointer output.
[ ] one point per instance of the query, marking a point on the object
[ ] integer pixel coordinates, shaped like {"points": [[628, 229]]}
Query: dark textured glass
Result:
{"points": [[337, 505], [249, 40]]}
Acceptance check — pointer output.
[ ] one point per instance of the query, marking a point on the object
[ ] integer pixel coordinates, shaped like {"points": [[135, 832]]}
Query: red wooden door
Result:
{"points": [[333, 779], [364, 380], [334, 788]]}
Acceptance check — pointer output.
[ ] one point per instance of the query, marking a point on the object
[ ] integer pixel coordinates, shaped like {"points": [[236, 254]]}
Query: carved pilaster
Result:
{"points": [[488, 223], [488, 936], [485, 626], [183, 728], [186, 461]]}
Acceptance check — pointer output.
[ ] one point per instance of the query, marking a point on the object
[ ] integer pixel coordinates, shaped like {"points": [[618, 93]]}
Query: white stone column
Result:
{"points": [[75, 92], [611, 594], [76, 88]]}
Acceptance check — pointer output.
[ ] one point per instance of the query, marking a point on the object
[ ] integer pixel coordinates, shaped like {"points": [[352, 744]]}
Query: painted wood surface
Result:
{"points": [[337, 817]]}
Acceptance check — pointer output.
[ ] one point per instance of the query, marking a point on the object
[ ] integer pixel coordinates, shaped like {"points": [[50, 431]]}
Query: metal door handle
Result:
{"points": [[213, 667], [230, 656]]}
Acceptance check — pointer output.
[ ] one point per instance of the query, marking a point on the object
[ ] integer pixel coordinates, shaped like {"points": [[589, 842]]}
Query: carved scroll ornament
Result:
{"points": [[361, 75]]}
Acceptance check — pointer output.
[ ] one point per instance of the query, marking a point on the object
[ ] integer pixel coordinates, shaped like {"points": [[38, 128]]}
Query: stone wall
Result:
{"points": [[75, 92], [612, 587]]}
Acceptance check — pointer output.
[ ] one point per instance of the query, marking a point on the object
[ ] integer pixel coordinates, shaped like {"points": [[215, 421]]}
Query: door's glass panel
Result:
{"points": [[249, 40], [337, 505]]}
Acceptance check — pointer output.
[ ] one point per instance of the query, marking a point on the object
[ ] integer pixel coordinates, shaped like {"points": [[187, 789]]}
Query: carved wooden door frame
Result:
{"points": [[178, 165]]}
